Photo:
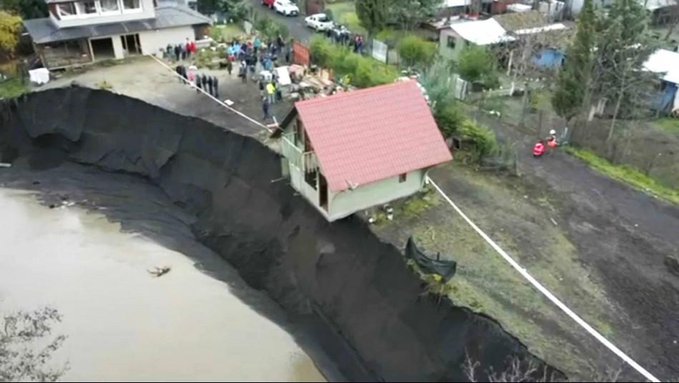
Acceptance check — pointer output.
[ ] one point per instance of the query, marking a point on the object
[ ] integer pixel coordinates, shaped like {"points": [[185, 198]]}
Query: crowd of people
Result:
{"points": [[182, 52], [253, 57], [190, 74], [343, 36]]}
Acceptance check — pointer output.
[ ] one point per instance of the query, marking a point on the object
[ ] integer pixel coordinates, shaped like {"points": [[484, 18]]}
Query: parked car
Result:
{"points": [[268, 3], [286, 7], [320, 22]]}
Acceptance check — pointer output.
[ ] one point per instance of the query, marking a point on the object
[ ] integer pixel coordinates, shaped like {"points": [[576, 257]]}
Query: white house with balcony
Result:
{"points": [[351, 151], [84, 31]]}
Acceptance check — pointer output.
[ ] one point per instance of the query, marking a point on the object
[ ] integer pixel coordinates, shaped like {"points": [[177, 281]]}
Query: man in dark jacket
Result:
{"points": [[178, 70], [208, 80], [199, 82], [215, 85], [204, 80]]}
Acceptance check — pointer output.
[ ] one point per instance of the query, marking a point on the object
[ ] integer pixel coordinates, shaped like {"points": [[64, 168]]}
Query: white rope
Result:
{"points": [[547, 293], [494, 245], [252, 120]]}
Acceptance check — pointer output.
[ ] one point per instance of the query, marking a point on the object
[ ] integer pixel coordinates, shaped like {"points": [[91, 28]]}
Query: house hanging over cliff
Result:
{"points": [[85, 31], [355, 150]]}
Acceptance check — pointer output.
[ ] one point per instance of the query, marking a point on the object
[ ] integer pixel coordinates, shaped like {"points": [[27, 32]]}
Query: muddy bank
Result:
{"points": [[338, 277]]}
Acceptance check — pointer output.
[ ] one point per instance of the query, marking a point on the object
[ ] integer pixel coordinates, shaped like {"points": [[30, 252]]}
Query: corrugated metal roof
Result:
{"points": [[664, 62], [44, 31], [482, 32], [372, 134]]}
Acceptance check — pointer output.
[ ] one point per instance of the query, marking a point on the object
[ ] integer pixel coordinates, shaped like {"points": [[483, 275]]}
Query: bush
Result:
{"points": [[364, 71], [322, 51], [449, 119], [389, 37], [481, 138], [416, 51], [270, 29], [477, 65]]}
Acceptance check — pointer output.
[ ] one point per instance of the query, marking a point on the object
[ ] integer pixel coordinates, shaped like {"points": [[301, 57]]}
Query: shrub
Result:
{"points": [[364, 71], [415, 51], [321, 51], [449, 119], [389, 37], [477, 65], [481, 138]]}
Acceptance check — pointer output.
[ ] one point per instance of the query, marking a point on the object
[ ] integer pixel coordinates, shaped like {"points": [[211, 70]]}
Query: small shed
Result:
{"points": [[481, 33], [666, 64], [355, 150]]}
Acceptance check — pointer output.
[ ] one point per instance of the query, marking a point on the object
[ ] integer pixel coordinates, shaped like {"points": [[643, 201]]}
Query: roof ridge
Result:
{"points": [[182, 9], [319, 100]]}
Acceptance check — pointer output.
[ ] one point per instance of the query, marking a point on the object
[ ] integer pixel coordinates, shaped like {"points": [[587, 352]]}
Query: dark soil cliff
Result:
{"points": [[339, 273]]}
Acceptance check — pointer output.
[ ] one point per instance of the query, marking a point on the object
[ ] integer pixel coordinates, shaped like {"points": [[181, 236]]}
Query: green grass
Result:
{"points": [[344, 12], [12, 88], [668, 124], [627, 175]]}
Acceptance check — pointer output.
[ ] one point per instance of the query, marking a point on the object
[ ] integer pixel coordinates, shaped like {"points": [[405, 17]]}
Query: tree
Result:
{"points": [[27, 9], [624, 43], [477, 65], [574, 78], [673, 18], [10, 27], [416, 51], [409, 13], [19, 360], [373, 14]]}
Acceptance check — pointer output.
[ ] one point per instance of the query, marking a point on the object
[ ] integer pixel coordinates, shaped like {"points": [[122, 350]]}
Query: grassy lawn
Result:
{"points": [[668, 124], [344, 12], [627, 175], [12, 88]]}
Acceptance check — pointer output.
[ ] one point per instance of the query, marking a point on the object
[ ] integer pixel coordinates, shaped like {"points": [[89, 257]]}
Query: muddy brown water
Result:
{"points": [[122, 323]]}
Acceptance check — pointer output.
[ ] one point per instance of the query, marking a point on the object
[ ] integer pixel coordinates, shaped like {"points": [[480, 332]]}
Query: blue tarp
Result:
{"points": [[549, 59], [665, 99]]}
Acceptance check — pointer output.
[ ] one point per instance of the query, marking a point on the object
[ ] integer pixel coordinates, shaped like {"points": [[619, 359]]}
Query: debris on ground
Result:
{"points": [[159, 271]]}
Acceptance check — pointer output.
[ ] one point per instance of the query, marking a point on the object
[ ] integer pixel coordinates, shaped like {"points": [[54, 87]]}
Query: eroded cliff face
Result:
{"points": [[339, 274]]}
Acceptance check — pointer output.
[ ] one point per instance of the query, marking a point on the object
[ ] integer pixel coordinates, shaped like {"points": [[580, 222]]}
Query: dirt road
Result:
{"points": [[626, 241]]}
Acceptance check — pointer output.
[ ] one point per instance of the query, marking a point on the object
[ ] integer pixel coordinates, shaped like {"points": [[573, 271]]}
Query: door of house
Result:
{"points": [[131, 44], [322, 191]]}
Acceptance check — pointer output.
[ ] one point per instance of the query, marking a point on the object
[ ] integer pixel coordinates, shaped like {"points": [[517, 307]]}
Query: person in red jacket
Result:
{"points": [[539, 149]]}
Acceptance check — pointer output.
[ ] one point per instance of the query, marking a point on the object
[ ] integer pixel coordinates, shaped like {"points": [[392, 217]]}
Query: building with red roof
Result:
{"points": [[351, 151]]}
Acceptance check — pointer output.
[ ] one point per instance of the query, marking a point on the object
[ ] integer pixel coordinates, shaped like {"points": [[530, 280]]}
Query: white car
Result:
{"points": [[319, 22], [286, 7]]}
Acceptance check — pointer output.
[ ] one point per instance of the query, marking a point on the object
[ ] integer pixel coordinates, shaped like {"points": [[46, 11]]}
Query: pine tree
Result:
{"points": [[372, 14], [574, 78], [624, 43]]}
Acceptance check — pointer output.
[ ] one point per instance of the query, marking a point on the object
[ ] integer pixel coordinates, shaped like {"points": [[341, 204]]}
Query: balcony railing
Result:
{"points": [[305, 161]]}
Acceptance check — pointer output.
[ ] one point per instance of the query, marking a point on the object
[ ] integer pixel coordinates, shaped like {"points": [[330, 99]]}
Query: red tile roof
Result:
{"points": [[372, 134]]}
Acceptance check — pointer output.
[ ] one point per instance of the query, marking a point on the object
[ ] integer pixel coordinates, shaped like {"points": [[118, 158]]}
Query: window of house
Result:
{"points": [[402, 177], [451, 42], [66, 9], [132, 5], [109, 6], [87, 7]]}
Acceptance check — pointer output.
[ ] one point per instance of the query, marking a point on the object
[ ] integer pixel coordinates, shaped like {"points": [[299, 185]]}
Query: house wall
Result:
{"points": [[147, 12], [347, 202], [445, 50], [118, 48], [152, 42]]}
